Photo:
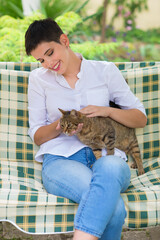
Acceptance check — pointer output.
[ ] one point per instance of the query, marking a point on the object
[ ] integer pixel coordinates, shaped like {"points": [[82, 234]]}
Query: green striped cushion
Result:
{"points": [[24, 201], [18, 66], [145, 83]]}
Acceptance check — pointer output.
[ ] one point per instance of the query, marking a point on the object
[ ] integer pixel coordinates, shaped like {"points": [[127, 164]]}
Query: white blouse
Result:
{"points": [[98, 83]]}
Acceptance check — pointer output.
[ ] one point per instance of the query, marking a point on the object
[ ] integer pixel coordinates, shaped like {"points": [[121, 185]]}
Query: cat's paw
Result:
{"points": [[141, 171], [97, 154], [134, 165]]}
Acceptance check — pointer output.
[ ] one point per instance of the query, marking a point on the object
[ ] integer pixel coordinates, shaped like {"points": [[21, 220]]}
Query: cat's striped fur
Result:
{"points": [[103, 132]]}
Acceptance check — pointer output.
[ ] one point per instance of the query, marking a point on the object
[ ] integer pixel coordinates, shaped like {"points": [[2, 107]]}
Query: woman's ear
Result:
{"points": [[64, 40]]}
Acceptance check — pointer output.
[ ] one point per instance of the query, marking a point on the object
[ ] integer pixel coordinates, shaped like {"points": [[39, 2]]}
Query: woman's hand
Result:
{"points": [[74, 132], [94, 111]]}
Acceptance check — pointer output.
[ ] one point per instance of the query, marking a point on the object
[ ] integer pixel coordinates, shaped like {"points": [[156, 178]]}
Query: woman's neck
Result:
{"points": [[74, 66]]}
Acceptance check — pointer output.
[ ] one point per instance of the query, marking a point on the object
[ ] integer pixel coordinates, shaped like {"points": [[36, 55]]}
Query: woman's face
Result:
{"points": [[53, 55]]}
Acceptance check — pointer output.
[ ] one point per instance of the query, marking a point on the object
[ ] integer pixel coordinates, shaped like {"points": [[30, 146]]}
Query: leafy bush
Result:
{"points": [[95, 50], [49, 8], [136, 34], [12, 8], [55, 8], [12, 39], [68, 21]]}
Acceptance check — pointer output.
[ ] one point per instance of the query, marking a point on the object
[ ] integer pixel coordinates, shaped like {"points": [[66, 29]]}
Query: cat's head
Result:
{"points": [[70, 120]]}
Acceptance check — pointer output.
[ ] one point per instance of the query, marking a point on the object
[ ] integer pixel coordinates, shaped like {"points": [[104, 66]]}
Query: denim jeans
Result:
{"points": [[94, 184]]}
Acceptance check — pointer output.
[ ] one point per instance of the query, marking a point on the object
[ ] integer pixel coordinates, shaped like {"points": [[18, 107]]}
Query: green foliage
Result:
{"points": [[127, 10], [12, 38], [8, 22], [55, 8], [149, 36], [68, 21], [146, 51], [49, 8], [12, 8], [117, 48], [95, 50]]}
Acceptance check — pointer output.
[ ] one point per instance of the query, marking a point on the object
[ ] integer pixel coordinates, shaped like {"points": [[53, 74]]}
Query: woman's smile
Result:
{"points": [[56, 67]]}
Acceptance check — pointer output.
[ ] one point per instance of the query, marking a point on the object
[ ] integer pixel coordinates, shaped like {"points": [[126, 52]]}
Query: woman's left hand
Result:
{"points": [[93, 111]]}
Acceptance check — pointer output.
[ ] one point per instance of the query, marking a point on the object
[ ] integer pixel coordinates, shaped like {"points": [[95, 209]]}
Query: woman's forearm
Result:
{"points": [[46, 133], [132, 118]]}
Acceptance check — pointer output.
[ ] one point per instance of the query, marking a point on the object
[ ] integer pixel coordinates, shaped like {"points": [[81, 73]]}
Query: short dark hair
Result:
{"points": [[44, 30]]}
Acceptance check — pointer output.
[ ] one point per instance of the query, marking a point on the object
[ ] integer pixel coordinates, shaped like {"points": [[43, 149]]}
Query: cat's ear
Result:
{"points": [[62, 111], [75, 113]]}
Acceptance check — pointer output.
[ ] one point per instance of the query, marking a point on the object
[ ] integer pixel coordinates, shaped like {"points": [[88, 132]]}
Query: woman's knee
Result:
{"points": [[109, 164], [113, 168]]}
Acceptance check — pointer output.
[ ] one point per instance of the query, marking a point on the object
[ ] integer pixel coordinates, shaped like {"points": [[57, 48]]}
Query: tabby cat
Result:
{"points": [[103, 132]]}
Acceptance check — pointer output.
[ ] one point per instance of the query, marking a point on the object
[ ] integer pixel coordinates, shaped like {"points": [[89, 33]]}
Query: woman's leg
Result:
{"points": [[98, 192], [65, 178], [101, 204], [114, 227], [69, 178]]}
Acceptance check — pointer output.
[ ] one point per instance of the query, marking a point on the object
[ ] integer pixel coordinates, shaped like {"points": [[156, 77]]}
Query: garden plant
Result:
{"points": [[128, 44]]}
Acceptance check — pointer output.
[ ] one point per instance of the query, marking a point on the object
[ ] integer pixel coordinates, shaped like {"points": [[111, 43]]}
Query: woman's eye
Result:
{"points": [[50, 53]]}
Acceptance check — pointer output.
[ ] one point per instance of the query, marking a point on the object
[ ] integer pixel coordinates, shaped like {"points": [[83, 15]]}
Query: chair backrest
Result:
{"points": [[145, 84], [18, 66], [16, 145], [131, 65]]}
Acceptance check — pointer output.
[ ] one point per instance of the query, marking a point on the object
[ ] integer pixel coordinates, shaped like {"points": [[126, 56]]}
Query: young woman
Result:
{"points": [[68, 81]]}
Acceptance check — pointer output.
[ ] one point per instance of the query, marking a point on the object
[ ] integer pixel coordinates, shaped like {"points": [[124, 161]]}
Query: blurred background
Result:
{"points": [[110, 30]]}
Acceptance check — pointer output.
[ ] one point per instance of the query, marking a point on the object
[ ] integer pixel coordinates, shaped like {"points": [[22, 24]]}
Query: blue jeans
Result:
{"points": [[94, 184]]}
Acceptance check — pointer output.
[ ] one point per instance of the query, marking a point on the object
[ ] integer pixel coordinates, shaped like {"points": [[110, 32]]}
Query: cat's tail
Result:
{"points": [[134, 151]]}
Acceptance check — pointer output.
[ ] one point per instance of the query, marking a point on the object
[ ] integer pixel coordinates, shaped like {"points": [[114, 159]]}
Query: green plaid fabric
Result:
{"points": [[24, 201], [145, 84], [131, 65], [15, 144], [19, 66], [31, 66]]}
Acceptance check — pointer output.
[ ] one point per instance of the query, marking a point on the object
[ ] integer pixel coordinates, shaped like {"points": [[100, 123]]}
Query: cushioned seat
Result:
{"points": [[23, 199]]}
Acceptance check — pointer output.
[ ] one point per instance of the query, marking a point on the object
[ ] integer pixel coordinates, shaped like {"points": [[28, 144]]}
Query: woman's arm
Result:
{"points": [[132, 118], [46, 133], [131, 112]]}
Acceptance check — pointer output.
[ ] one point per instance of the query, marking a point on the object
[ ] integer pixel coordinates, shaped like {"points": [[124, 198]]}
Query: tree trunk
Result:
{"points": [[103, 30]]}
